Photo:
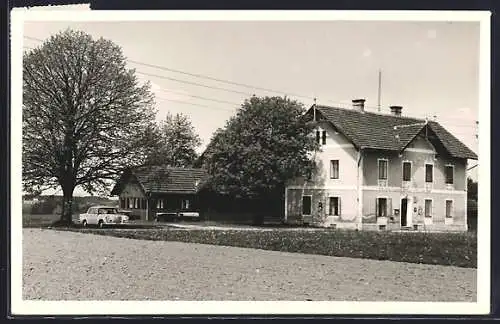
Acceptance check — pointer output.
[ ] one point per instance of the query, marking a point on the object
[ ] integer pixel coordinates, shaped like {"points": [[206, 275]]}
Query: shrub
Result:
{"points": [[456, 249]]}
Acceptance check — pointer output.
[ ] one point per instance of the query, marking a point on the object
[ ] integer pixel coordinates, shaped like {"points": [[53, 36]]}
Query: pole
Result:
{"points": [[379, 87], [314, 109]]}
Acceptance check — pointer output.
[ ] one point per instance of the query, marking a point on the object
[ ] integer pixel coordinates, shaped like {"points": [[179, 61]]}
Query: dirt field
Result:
{"points": [[74, 266]]}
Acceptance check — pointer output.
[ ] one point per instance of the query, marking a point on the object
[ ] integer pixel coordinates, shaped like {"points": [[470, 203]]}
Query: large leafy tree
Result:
{"points": [[264, 145], [85, 116], [472, 189], [176, 142]]}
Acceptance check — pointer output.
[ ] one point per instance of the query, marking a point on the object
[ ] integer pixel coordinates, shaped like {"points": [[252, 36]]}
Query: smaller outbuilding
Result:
{"points": [[148, 190]]}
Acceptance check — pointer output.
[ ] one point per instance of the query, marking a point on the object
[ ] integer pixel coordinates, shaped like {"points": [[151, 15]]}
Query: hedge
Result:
{"points": [[455, 249]]}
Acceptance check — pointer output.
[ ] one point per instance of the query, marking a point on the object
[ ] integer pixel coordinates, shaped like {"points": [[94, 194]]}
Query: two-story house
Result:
{"points": [[381, 171]]}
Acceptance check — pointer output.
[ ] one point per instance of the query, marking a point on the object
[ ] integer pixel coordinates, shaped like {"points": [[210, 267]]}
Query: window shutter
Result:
{"points": [[340, 206], [389, 206], [376, 207]]}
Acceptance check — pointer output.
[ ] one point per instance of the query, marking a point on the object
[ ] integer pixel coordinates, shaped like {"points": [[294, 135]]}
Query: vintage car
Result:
{"points": [[102, 216]]}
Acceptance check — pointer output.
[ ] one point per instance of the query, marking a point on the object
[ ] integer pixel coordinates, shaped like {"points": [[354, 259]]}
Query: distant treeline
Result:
{"points": [[53, 204]]}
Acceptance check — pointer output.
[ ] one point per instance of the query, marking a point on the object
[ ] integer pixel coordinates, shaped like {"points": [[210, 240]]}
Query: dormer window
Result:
{"points": [[321, 137]]}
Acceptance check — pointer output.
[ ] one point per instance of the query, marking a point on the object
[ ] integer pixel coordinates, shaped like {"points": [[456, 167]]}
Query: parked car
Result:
{"points": [[101, 216], [129, 213]]}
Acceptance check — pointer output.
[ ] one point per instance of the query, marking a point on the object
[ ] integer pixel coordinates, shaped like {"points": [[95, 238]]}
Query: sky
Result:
{"points": [[429, 68]]}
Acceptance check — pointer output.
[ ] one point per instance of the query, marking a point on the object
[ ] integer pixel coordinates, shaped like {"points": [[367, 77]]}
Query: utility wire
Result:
{"points": [[193, 104], [194, 83], [223, 81], [217, 79], [472, 167], [232, 103], [200, 97], [369, 108], [34, 38]]}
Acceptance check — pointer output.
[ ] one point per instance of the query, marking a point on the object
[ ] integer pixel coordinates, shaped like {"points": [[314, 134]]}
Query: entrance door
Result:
{"points": [[404, 212], [306, 209]]}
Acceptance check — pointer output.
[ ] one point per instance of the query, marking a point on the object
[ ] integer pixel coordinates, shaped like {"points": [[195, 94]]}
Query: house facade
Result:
{"points": [[378, 171], [146, 191]]}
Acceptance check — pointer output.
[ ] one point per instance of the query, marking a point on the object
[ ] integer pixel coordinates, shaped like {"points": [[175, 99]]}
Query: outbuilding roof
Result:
{"points": [[163, 179]]}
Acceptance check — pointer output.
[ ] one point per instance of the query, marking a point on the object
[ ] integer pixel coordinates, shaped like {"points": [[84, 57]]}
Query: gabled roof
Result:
{"points": [[369, 130], [164, 179]]}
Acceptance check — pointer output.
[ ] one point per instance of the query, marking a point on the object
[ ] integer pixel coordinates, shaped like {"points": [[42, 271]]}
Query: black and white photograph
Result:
{"points": [[306, 162]]}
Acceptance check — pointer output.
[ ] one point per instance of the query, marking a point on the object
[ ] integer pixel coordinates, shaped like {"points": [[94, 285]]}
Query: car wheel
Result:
{"points": [[100, 224], [84, 223]]}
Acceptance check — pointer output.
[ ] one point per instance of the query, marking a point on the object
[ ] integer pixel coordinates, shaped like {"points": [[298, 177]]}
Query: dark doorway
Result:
{"points": [[404, 207]]}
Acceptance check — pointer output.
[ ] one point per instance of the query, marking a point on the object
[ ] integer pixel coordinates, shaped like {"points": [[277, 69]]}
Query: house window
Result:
{"points": [[449, 208], [324, 138], [131, 203], [160, 204], [185, 204], [406, 171], [306, 205], [317, 136], [448, 172], [381, 206], [122, 203], [334, 169], [136, 202], [334, 209], [428, 173], [382, 169], [428, 208]]}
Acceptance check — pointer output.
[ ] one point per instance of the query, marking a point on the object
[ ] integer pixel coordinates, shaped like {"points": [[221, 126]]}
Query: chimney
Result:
{"points": [[396, 110], [358, 104]]}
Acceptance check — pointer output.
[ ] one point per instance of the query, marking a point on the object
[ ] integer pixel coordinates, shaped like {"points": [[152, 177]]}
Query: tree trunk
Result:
{"points": [[67, 205]]}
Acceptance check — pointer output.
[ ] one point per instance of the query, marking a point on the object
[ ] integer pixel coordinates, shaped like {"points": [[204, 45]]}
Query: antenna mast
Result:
{"points": [[379, 87], [314, 109]]}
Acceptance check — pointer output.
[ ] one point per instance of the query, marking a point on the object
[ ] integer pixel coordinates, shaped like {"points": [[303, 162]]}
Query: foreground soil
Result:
{"points": [[61, 265]]}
